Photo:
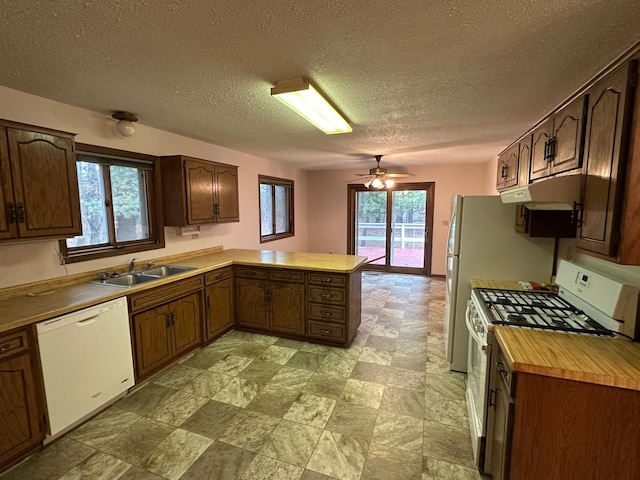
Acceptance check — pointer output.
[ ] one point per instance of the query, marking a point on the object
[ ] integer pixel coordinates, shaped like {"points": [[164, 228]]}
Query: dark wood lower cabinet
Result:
{"points": [[219, 304], [21, 412], [166, 330], [286, 307], [270, 305], [560, 429]]}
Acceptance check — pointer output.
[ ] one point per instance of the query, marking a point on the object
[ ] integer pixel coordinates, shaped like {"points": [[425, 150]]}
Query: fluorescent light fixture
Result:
{"points": [[299, 95]]}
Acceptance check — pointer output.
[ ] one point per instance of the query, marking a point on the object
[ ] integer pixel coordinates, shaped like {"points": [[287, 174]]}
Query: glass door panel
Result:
{"points": [[371, 226], [408, 215]]}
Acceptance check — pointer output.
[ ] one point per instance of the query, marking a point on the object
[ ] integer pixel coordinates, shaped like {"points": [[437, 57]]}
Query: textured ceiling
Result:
{"points": [[419, 81]]}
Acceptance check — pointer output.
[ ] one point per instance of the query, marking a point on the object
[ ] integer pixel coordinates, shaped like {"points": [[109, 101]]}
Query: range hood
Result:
{"points": [[556, 193]]}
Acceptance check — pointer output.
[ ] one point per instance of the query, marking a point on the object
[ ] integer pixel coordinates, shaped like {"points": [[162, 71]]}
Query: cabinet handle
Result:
{"points": [[267, 294], [250, 273], [504, 170], [208, 303], [167, 318], [492, 397], [550, 149], [326, 280], [4, 348], [325, 295], [218, 277], [576, 214], [20, 212], [325, 332], [216, 209], [11, 213], [326, 314]]}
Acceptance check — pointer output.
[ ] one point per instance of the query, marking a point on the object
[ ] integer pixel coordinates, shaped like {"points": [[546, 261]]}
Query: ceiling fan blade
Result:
{"points": [[400, 175], [364, 174]]}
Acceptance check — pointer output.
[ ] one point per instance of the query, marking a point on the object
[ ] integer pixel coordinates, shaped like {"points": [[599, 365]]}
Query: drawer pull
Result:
{"points": [[6, 347], [219, 276], [326, 280], [326, 314], [325, 295], [325, 332], [249, 273]]}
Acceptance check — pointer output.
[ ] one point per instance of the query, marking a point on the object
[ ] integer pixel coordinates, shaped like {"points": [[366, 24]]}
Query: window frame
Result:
{"points": [[154, 207], [273, 182]]}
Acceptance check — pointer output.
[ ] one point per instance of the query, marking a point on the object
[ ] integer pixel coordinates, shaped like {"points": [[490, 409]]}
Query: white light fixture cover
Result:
{"points": [[125, 125], [299, 95]]}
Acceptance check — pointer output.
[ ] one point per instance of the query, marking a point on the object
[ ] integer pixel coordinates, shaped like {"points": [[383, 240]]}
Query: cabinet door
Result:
{"points": [[200, 186], [19, 413], [539, 162], [227, 194], [219, 315], [568, 135], [251, 303], [508, 168], [8, 226], [286, 308], [186, 323], [605, 151], [45, 184], [153, 350], [500, 435]]}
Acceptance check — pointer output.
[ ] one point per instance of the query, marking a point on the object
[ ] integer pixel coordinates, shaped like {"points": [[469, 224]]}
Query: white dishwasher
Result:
{"points": [[86, 362]]}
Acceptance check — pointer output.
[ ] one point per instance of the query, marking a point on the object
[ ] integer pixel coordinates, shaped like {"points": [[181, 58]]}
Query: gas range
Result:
{"points": [[587, 302], [537, 309]]}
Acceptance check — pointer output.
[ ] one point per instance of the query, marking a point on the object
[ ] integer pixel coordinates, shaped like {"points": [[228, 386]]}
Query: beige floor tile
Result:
{"points": [[339, 456], [263, 468], [220, 461], [238, 392], [104, 427], [231, 365], [99, 466], [310, 410], [403, 402], [399, 431], [447, 443], [323, 385], [211, 419], [279, 355], [362, 393], [291, 442], [385, 463], [176, 453], [249, 430]]}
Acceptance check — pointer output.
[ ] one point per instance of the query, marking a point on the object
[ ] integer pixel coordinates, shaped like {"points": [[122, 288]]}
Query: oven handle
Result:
{"points": [[471, 327]]}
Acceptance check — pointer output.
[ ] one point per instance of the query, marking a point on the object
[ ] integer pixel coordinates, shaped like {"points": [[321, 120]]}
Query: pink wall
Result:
{"points": [[29, 262], [327, 200]]}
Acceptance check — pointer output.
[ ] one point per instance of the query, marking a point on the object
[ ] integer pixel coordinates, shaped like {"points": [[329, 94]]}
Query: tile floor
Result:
{"points": [[257, 407]]}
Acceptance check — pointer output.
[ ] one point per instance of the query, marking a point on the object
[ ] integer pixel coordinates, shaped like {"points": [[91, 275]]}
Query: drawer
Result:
{"points": [[251, 272], [291, 276], [326, 330], [336, 296], [217, 275], [329, 279], [327, 313], [13, 343], [165, 293]]}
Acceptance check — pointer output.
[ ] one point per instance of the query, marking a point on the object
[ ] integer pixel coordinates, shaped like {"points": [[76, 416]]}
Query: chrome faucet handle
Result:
{"points": [[150, 264], [103, 275]]}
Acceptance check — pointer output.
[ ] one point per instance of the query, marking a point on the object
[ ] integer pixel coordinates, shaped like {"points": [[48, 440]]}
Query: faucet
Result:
{"points": [[132, 265]]}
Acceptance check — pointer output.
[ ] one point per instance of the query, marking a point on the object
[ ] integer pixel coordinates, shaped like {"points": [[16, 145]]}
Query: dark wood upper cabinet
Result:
{"points": [[508, 167], [38, 184], [610, 112], [558, 142], [197, 192]]}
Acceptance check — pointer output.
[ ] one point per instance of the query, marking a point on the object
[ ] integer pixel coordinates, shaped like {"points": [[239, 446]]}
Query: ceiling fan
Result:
{"points": [[379, 179]]}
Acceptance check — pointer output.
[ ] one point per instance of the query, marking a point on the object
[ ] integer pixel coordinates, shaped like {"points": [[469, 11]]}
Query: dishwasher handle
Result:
{"points": [[88, 315]]}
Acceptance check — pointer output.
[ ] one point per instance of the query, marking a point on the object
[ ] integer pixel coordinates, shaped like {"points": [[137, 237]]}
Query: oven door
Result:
{"points": [[477, 377]]}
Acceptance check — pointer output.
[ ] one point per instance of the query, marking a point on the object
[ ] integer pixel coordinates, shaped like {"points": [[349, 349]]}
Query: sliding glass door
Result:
{"points": [[391, 227]]}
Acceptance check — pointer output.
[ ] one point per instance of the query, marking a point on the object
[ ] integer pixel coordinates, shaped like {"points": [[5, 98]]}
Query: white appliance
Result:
{"points": [[86, 362], [483, 243], [587, 303]]}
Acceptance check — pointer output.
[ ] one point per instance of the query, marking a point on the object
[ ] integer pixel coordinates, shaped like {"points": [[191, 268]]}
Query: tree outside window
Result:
{"points": [[276, 208]]}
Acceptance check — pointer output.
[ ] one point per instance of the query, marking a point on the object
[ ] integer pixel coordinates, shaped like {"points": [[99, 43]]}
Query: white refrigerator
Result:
{"points": [[483, 244]]}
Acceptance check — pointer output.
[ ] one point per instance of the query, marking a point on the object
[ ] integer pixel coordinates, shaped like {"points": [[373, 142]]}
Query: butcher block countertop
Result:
{"points": [[499, 284], [27, 304], [603, 361]]}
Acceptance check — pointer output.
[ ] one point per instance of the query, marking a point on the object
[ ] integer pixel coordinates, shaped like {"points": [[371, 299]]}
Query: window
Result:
{"points": [[117, 204], [276, 208]]}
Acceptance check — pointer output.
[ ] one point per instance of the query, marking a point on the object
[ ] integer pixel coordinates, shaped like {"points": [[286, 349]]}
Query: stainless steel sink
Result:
{"points": [[166, 270], [127, 280], [144, 276]]}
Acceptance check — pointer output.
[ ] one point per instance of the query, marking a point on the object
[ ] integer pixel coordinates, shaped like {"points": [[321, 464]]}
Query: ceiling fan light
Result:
{"points": [[367, 183], [377, 183], [299, 95], [388, 183]]}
